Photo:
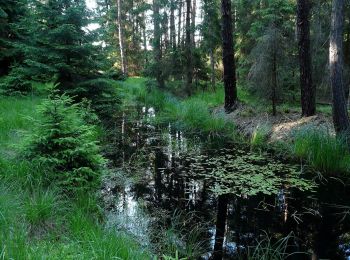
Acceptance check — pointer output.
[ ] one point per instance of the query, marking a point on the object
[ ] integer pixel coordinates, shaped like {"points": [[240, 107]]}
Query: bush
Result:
{"points": [[65, 144]]}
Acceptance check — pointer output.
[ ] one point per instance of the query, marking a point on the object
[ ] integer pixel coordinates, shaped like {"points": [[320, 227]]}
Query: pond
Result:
{"points": [[211, 199]]}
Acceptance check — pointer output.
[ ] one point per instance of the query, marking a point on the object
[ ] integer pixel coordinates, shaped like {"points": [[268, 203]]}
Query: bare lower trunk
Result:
{"points": [[188, 49], [144, 38], [179, 28], [228, 57], [274, 83], [172, 25], [121, 40], [157, 44], [340, 113], [193, 25], [308, 97], [212, 66]]}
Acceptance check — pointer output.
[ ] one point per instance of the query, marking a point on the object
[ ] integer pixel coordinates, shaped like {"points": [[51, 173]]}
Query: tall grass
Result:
{"points": [[41, 223], [269, 249], [14, 113], [260, 136], [324, 152], [192, 114]]}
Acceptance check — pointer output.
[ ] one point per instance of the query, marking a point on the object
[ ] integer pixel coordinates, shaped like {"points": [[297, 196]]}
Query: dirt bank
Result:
{"points": [[280, 127]]}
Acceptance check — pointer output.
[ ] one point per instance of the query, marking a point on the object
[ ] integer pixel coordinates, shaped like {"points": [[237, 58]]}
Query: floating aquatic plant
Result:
{"points": [[246, 173]]}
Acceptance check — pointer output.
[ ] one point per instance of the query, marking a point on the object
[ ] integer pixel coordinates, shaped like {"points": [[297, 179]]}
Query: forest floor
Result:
{"points": [[248, 118]]}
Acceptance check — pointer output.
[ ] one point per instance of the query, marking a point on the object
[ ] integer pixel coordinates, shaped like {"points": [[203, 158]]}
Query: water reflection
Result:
{"points": [[168, 181]]}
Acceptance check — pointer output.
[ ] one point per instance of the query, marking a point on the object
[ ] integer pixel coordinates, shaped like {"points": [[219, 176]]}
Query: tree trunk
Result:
{"points": [[228, 57], [121, 39], [193, 26], [144, 38], [165, 31], [274, 82], [221, 218], [212, 66], [172, 25], [340, 114], [188, 49], [179, 28], [308, 96], [157, 44]]}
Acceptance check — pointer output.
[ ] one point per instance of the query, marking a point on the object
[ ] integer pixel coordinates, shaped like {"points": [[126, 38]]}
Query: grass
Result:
{"points": [[14, 113], [38, 222], [324, 152], [272, 249], [192, 114], [260, 136]]}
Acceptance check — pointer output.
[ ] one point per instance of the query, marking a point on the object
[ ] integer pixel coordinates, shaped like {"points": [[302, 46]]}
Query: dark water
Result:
{"points": [[218, 197]]}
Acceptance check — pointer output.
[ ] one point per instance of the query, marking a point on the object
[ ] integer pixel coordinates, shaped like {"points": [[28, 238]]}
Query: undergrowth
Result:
{"points": [[38, 221]]}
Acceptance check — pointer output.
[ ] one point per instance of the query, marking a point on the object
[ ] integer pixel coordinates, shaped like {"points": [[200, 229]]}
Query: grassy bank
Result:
{"points": [[320, 149], [39, 222], [191, 114]]}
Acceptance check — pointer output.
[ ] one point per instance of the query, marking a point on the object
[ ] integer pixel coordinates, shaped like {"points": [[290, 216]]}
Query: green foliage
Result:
{"points": [[53, 44], [103, 96], [64, 143], [324, 152]]}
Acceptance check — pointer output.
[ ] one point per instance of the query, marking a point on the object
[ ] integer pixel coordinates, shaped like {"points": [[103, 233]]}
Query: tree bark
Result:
{"points": [[157, 44], [144, 38], [188, 50], [228, 57], [121, 39], [172, 25], [193, 25], [308, 95], [212, 66], [179, 28], [274, 82], [340, 114]]}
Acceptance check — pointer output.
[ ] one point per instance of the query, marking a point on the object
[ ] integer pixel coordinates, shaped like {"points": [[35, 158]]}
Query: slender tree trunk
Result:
{"points": [[144, 38], [221, 218], [184, 26], [121, 39], [212, 66], [340, 114], [193, 26], [308, 96], [165, 30], [188, 49], [228, 57], [172, 25], [157, 44], [274, 83], [179, 28]]}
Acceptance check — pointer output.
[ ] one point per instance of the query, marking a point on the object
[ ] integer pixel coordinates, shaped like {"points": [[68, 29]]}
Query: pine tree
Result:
{"points": [[65, 145]]}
